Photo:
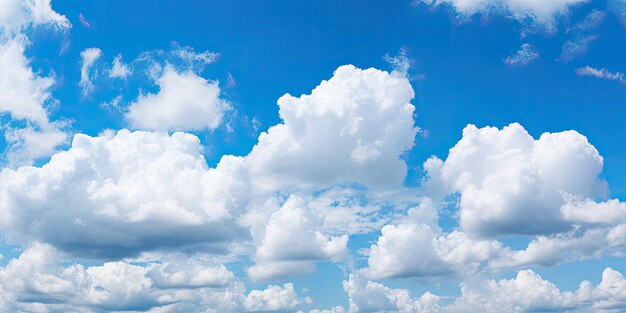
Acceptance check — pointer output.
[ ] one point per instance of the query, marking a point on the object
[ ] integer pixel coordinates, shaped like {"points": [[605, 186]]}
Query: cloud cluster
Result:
{"points": [[122, 194], [38, 281], [526, 292]]}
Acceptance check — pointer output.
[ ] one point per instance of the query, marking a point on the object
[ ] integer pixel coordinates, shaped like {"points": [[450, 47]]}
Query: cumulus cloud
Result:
{"points": [[602, 73], [274, 298], [25, 96], [294, 225], [419, 248], [185, 101], [526, 292], [353, 127], [88, 58], [116, 196], [526, 54], [24, 93], [517, 184], [542, 12], [598, 229], [368, 296]]}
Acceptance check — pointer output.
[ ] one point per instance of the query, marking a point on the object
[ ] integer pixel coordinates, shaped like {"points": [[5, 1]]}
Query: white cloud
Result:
{"points": [[336, 309], [193, 58], [526, 292], [590, 22], [419, 248], [181, 274], [573, 49], [369, 296], [32, 143], [40, 281], [115, 196], [526, 54], [294, 225], [618, 7], [119, 68], [542, 12], [586, 211], [18, 15], [598, 229], [602, 73], [22, 92], [516, 184], [88, 58], [353, 127], [274, 298], [25, 96], [400, 63], [185, 101]]}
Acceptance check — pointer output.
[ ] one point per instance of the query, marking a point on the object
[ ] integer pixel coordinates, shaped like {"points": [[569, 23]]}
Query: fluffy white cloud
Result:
{"points": [[38, 281], [516, 184], [18, 15], [25, 96], [598, 229], [526, 54], [274, 298], [88, 57], [288, 239], [526, 292], [418, 248], [543, 12], [336, 309], [22, 92], [185, 101], [181, 274], [586, 211], [31, 143], [119, 69], [119, 195], [353, 127], [369, 296]]}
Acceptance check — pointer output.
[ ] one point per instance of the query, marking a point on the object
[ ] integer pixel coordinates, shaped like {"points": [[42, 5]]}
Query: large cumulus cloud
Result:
{"points": [[117, 195], [510, 183], [353, 127]]}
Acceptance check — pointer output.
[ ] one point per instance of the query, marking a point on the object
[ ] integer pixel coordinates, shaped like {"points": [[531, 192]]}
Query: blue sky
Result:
{"points": [[343, 196]]}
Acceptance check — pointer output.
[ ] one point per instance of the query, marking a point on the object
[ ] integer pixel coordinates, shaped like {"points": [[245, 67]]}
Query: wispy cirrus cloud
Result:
{"points": [[601, 73], [526, 54]]}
